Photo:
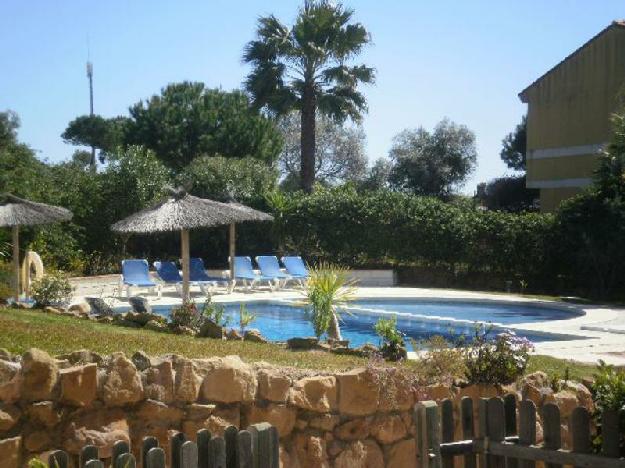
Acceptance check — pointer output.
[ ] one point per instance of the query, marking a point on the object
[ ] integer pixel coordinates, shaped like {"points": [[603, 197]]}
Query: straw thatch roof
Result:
{"points": [[15, 211], [183, 211]]}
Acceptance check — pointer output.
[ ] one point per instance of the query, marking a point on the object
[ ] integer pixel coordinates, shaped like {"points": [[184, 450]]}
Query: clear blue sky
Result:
{"points": [[434, 59]]}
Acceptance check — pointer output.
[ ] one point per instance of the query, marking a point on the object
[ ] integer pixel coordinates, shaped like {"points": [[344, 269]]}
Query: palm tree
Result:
{"points": [[305, 68]]}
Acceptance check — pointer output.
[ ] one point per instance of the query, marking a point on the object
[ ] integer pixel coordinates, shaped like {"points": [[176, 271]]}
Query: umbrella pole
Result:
{"points": [[16, 261], [231, 250], [184, 238]]}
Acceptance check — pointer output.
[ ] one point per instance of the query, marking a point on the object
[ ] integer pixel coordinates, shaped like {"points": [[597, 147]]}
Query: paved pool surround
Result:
{"points": [[599, 328]]}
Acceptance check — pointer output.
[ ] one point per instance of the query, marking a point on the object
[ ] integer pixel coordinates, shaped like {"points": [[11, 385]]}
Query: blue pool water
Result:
{"points": [[417, 319]]}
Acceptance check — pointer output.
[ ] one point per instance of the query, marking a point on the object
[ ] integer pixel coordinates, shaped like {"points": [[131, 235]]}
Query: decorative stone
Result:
{"points": [[99, 306], [310, 451], [255, 336], [358, 393], [83, 356], [155, 326], [325, 422], [10, 381], [388, 428], [158, 382], [315, 394], [229, 381], [273, 386], [140, 360], [80, 308], [303, 343], [101, 428], [79, 385], [40, 374], [360, 454], [9, 416], [57, 311], [10, 450], [281, 417], [44, 413], [396, 394], [198, 412], [210, 329], [123, 382], [403, 454], [188, 383], [159, 413], [566, 401], [233, 335], [355, 429], [38, 441], [140, 304]]}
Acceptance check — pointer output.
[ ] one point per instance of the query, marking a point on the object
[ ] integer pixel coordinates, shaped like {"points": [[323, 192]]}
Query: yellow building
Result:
{"points": [[568, 116]]}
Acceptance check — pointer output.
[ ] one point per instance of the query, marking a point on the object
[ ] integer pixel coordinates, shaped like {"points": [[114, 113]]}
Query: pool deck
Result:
{"points": [[600, 329]]}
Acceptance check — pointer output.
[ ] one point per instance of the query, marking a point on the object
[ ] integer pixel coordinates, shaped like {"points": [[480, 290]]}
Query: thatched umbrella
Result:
{"points": [[16, 212], [182, 212]]}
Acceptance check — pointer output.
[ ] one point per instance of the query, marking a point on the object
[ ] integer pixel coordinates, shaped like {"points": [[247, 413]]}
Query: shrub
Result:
{"points": [[53, 289], [498, 361], [215, 313], [5, 282], [245, 317], [186, 315], [392, 340], [440, 361], [327, 288], [608, 391]]}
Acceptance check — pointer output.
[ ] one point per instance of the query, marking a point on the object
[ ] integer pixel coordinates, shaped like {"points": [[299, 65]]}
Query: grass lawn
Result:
{"points": [[24, 329]]}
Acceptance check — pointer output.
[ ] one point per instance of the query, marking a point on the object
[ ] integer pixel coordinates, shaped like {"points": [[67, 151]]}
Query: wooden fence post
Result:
{"points": [[175, 443], [447, 429], [527, 429], [482, 424], [579, 425], [510, 404], [217, 453], [203, 438], [230, 437], [428, 435], [468, 428], [610, 433], [88, 452], [125, 460], [552, 430], [147, 444], [58, 459], [188, 455], [119, 448], [244, 448], [93, 464], [155, 458], [496, 429]]}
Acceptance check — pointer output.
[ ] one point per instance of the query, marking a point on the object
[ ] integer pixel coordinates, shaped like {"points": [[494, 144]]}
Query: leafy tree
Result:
{"points": [[507, 193], [246, 180], [188, 120], [339, 150], [21, 173], [96, 131], [378, 176], [515, 147], [610, 175], [305, 67], [434, 163]]}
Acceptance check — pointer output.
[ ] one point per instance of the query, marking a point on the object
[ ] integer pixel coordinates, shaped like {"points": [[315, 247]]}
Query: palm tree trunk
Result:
{"points": [[307, 141], [334, 331]]}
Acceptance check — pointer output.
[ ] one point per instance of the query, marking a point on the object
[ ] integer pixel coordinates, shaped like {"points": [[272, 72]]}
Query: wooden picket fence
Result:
{"points": [[496, 441], [256, 447]]}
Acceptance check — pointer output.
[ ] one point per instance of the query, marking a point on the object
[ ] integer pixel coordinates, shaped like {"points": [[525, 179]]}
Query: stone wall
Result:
{"points": [[348, 419]]}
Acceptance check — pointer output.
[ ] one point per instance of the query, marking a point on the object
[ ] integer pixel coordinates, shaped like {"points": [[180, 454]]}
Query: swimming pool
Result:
{"points": [[417, 319]]}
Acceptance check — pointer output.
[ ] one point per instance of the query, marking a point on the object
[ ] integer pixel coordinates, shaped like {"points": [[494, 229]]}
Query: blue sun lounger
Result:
{"points": [[136, 273], [270, 267], [197, 273], [296, 268], [244, 271], [169, 274]]}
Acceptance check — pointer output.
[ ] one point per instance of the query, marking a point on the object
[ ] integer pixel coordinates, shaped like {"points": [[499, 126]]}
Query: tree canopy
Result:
{"points": [[515, 147], [188, 120], [434, 163], [339, 152], [306, 67]]}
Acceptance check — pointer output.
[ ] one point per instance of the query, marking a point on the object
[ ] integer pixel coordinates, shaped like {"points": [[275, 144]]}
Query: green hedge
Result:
{"points": [[388, 228]]}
